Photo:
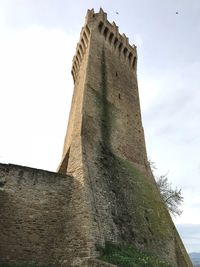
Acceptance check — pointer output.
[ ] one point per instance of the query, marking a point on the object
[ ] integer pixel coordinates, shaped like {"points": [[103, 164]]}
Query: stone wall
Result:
{"points": [[105, 190], [108, 153], [39, 217]]}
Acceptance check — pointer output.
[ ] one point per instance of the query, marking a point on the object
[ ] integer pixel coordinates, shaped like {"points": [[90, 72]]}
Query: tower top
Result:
{"points": [[101, 16], [98, 23]]}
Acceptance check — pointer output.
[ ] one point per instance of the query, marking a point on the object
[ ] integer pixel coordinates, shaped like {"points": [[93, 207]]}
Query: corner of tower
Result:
{"points": [[91, 15]]}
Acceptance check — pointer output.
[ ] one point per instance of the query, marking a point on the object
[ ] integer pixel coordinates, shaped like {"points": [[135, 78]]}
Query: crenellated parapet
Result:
{"points": [[110, 32], [119, 42], [80, 51]]}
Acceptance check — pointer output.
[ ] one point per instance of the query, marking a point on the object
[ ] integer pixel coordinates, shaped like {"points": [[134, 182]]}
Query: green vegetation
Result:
{"points": [[129, 256], [137, 209], [171, 197], [146, 203], [18, 265], [23, 265], [105, 127]]}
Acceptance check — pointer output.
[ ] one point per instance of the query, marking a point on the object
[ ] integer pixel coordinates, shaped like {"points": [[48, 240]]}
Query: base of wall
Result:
{"points": [[95, 263]]}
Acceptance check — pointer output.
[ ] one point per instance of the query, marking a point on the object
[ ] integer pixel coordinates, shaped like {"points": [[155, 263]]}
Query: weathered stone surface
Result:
{"points": [[106, 191], [105, 137], [41, 217]]}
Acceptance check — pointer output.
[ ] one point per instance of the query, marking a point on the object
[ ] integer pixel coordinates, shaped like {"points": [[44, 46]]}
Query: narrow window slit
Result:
{"points": [[115, 42], [100, 26], [130, 57], [79, 55], [81, 48], [111, 37], [120, 47], [83, 43], [134, 63], [87, 30], [105, 32], [125, 51], [85, 37]]}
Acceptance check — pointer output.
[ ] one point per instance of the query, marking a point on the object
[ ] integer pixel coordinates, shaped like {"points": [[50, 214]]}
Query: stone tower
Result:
{"points": [[115, 196]]}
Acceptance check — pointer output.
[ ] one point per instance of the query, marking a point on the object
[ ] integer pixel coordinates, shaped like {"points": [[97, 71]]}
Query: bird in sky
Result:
{"points": [[176, 12], [117, 13]]}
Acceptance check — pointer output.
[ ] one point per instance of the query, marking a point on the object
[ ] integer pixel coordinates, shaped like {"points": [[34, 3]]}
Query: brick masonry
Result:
{"points": [[39, 217], [104, 189], [106, 138]]}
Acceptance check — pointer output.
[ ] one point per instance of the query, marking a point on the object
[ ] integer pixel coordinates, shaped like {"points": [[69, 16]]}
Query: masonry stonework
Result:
{"points": [[105, 136], [104, 189]]}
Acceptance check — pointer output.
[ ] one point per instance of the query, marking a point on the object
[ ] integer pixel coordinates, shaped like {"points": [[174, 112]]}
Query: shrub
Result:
{"points": [[129, 256]]}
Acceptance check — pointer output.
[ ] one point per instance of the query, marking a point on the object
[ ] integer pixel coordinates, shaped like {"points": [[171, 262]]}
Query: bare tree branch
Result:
{"points": [[171, 197]]}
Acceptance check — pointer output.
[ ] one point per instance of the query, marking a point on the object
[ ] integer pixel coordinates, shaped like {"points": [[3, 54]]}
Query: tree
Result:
{"points": [[171, 197]]}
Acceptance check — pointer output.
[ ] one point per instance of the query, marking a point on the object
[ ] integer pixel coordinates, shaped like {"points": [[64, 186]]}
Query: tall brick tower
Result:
{"points": [[115, 197]]}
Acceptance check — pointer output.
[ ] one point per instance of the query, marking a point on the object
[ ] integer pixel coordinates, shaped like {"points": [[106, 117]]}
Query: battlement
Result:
{"points": [[110, 32], [80, 51]]}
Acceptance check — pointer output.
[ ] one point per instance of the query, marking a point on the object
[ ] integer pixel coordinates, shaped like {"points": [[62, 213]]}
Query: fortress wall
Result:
{"points": [[125, 203], [105, 149], [39, 217], [103, 192]]}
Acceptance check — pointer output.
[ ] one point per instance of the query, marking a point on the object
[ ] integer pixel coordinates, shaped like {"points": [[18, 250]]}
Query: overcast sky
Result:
{"points": [[37, 42]]}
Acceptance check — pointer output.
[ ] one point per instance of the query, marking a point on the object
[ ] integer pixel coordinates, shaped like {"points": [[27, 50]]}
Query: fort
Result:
{"points": [[104, 190]]}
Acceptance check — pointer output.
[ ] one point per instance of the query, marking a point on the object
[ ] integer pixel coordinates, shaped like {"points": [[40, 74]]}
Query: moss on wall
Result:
{"points": [[138, 204], [137, 209], [105, 114], [125, 201]]}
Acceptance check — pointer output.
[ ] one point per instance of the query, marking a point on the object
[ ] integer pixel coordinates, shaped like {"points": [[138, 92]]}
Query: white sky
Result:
{"points": [[37, 42]]}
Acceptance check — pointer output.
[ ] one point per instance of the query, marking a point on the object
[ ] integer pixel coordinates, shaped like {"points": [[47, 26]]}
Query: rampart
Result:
{"points": [[38, 217]]}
